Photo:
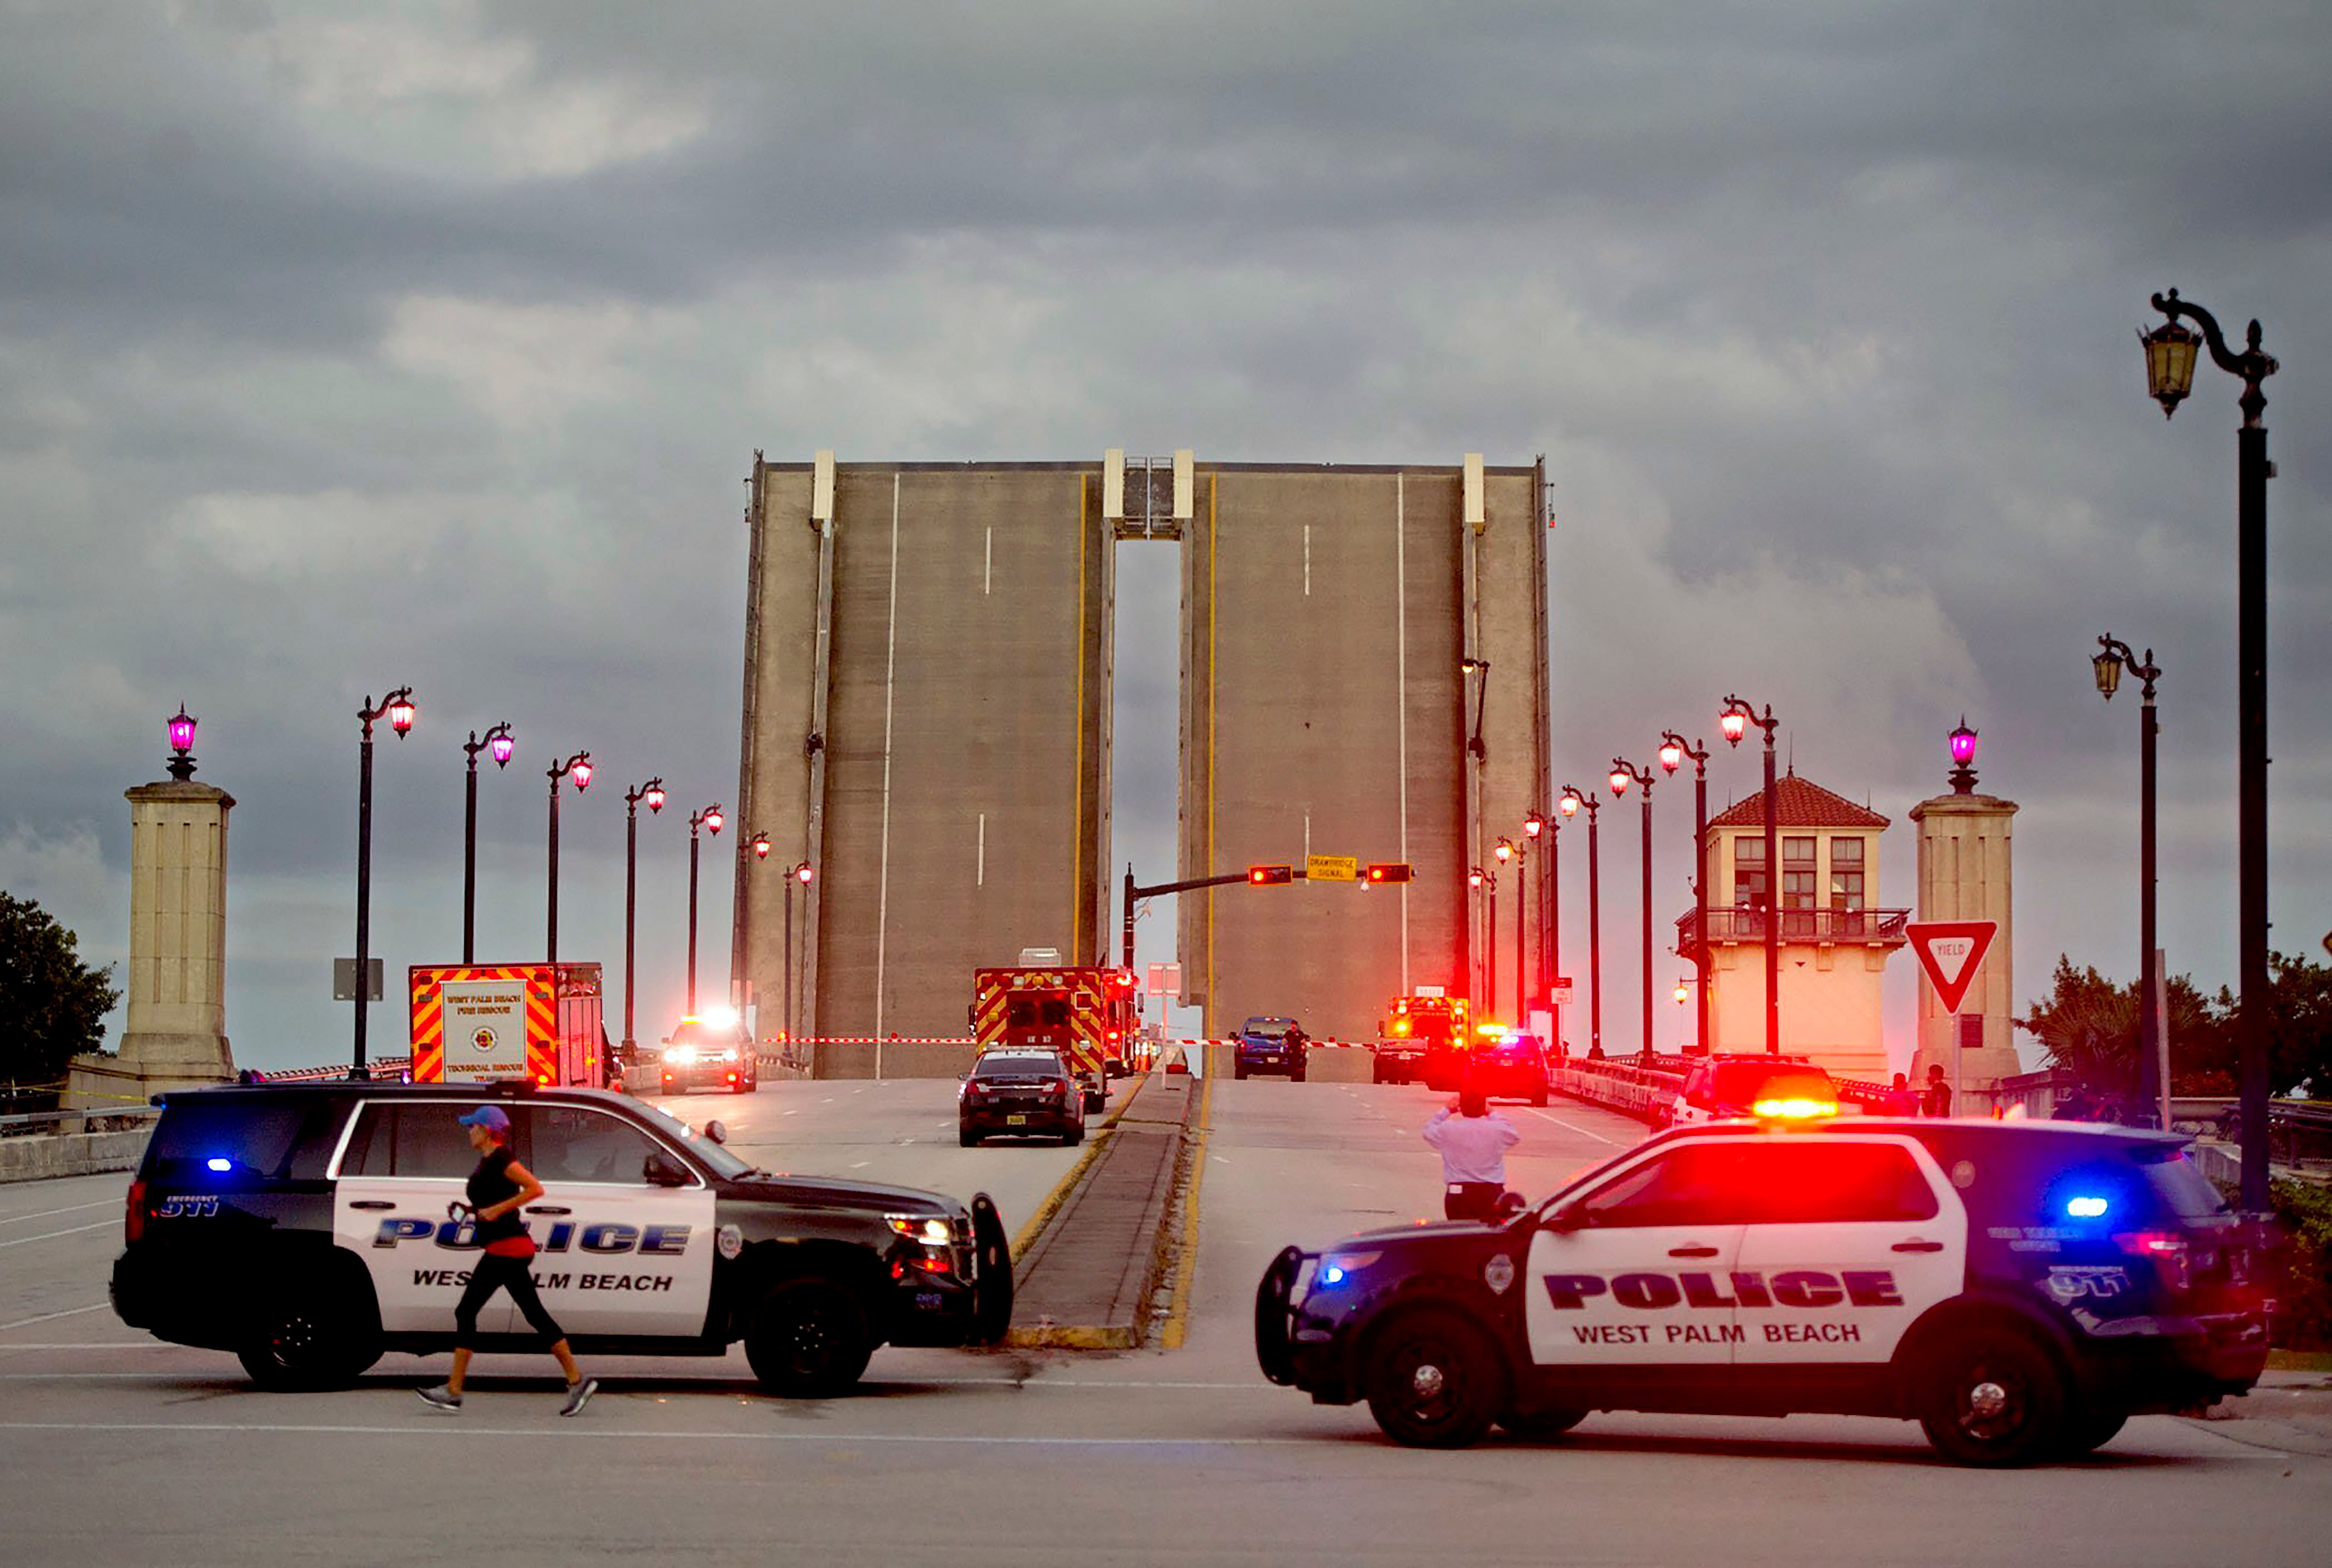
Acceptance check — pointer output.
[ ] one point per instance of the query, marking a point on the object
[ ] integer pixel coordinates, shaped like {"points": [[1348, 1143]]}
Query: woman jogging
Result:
{"points": [[498, 1189], [1473, 1140]]}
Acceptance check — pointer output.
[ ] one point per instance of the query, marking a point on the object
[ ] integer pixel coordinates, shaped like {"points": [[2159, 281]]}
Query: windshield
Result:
{"points": [[1743, 1085], [2182, 1186], [1025, 1064], [724, 1164]]}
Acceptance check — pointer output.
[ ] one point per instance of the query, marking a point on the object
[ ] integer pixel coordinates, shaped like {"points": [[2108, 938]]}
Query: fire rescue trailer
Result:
{"points": [[1084, 1012], [537, 1021]]}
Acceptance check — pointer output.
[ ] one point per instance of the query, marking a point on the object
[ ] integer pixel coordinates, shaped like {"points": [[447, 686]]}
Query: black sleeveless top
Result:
{"points": [[490, 1184]]}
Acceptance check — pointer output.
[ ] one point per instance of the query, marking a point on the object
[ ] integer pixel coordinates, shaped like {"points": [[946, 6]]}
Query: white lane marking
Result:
{"points": [[1307, 561], [988, 562], [1575, 1127], [1400, 688], [47, 1317], [69, 1208], [980, 873], [49, 1235], [882, 863], [860, 1164]]}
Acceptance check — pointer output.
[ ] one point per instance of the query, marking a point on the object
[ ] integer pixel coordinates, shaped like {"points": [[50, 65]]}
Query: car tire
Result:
{"points": [[1432, 1380], [309, 1337], [1073, 1137], [1533, 1426], [1239, 1070], [808, 1339], [966, 1137], [2087, 1432], [1993, 1399], [1538, 1097]]}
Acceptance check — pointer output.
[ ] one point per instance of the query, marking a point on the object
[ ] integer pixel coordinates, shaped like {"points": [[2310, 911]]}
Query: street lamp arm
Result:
{"points": [[2252, 365]]}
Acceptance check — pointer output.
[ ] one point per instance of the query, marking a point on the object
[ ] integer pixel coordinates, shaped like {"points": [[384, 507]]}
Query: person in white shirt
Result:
{"points": [[1473, 1140]]}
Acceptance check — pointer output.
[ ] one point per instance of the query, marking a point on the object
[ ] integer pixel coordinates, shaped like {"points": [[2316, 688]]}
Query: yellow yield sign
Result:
{"points": [[1331, 868]]}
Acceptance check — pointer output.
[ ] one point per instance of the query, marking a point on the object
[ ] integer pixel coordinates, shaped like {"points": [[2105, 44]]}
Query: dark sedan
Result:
{"points": [[1019, 1094]]}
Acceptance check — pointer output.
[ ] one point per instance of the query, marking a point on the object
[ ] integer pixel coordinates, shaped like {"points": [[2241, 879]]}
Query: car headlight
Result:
{"points": [[927, 1229], [681, 1057]]}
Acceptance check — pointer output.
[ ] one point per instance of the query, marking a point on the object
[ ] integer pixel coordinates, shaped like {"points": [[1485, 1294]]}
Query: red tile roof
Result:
{"points": [[1798, 803]]}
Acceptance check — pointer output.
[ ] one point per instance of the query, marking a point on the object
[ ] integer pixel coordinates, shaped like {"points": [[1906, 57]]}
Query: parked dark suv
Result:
{"points": [[2017, 1288], [1513, 1067], [306, 1228]]}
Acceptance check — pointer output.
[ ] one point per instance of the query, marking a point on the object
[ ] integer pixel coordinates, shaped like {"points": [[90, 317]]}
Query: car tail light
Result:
{"points": [[133, 1215], [2168, 1251], [1057, 1085]]}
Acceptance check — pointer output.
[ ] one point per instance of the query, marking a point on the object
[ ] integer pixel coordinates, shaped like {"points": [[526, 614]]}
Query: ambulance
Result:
{"points": [[1086, 1014], [483, 1023]]}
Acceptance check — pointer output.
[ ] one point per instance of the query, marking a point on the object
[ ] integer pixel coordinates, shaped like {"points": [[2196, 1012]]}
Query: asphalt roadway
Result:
{"points": [[116, 1448]]}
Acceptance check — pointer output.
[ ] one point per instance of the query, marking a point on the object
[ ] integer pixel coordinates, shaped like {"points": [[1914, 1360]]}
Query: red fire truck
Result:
{"points": [[1443, 1025], [1086, 1013], [476, 1022]]}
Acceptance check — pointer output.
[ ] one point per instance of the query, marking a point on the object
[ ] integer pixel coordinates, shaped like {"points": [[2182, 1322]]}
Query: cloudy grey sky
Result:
{"points": [[342, 347]]}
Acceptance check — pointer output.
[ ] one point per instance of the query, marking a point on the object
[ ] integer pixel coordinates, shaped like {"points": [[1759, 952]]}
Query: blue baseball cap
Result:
{"points": [[493, 1118]]}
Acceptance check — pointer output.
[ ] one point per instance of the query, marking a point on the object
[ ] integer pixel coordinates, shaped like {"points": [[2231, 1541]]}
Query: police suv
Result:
{"points": [[2017, 1288], [307, 1228]]}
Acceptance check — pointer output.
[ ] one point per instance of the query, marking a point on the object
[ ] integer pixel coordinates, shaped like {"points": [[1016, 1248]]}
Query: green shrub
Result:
{"points": [[2301, 1275]]}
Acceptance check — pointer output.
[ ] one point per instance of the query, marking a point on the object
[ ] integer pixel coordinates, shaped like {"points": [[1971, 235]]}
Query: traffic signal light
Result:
{"points": [[1392, 871], [1270, 875]]}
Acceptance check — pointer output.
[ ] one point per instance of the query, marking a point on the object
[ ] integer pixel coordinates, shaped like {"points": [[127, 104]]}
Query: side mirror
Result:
{"points": [[658, 1172], [716, 1131], [963, 1077], [1566, 1219]]}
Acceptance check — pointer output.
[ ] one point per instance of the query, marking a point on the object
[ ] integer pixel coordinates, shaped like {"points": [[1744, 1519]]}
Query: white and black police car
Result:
{"points": [[2017, 1288], [306, 1228]]}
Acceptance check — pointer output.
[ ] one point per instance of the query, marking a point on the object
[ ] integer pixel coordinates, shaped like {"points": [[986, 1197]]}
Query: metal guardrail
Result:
{"points": [[43, 1123]]}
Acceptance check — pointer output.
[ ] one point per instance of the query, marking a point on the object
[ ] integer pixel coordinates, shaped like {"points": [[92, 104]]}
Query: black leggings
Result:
{"points": [[493, 1272]]}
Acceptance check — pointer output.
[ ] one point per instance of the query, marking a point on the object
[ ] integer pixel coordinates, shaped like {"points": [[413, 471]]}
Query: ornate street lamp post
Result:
{"points": [[579, 765], [1674, 749], [2170, 351], [1486, 883], [500, 742], [1623, 773], [802, 877], [2153, 1067], [1735, 721], [1509, 850], [1535, 836], [1573, 800], [652, 794], [710, 819], [398, 710]]}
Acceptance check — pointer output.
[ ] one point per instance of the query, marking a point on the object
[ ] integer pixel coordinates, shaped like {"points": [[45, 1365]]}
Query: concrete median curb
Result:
{"points": [[1039, 1217], [1097, 1248]]}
